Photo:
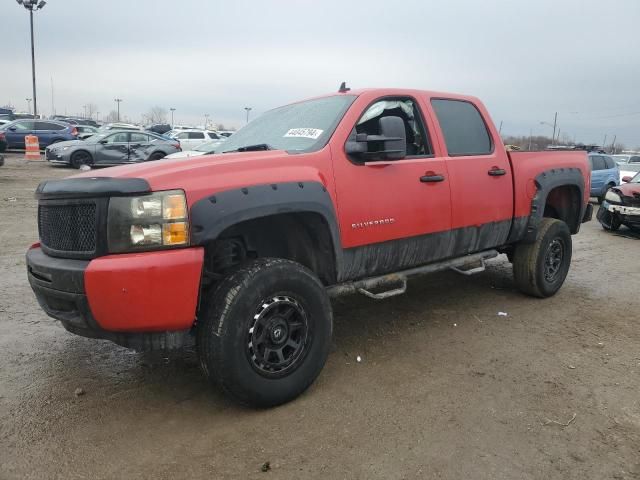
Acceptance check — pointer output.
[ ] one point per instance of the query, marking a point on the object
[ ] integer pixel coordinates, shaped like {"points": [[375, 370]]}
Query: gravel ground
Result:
{"points": [[446, 388]]}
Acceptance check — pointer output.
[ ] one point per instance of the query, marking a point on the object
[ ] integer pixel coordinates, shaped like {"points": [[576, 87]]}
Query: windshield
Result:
{"points": [[304, 126], [630, 167], [208, 147]]}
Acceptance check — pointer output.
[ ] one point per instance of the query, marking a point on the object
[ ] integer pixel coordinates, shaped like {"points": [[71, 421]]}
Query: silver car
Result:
{"points": [[112, 148]]}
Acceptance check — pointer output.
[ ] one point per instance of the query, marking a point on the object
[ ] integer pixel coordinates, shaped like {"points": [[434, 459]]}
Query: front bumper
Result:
{"points": [[55, 156], [143, 301], [629, 216]]}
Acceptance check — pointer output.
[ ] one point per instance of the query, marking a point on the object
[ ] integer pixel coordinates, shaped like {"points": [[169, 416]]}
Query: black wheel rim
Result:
{"points": [[82, 158], [553, 260], [278, 336]]}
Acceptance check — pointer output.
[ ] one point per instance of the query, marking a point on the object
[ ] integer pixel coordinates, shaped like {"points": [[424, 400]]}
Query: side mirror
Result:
{"points": [[391, 144], [13, 129], [627, 179], [103, 141]]}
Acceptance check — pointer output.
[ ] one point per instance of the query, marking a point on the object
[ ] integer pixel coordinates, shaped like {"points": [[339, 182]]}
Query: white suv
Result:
{"points": [[190, 139]]}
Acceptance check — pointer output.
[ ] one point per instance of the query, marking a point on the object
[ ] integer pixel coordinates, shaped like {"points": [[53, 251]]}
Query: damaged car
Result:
{"points": [[621, 205]]}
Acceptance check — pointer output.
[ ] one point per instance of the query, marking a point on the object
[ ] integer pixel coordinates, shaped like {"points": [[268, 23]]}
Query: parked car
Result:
{"points": [[190, 139], [160, 128], [621, 205], [120, 126], [112, 148], [47, 131], [350, 192], [85, 131], [605, 174], [205, 148], [628, 170], [626, 159]]}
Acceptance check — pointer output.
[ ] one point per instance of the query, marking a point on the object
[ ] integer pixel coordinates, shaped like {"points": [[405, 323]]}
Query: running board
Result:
{"points": [[398, 280]]}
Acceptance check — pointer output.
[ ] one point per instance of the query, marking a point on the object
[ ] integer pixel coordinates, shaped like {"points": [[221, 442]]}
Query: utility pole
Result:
{"points": [[530, 133], [28, 105], [604, 142], [500, 129], [206, 120], [172, 110], [613, 145], [33, 5], [248, 109], [118, 100], [555, 123], [85, 111]]}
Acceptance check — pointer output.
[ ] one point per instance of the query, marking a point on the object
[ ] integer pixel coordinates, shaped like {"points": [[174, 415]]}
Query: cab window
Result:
{"points": [[464, 130], [117, 138]]}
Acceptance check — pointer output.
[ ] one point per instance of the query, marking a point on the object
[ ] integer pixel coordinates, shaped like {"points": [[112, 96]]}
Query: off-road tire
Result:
{"points": [[224, 331], [530, 260]]}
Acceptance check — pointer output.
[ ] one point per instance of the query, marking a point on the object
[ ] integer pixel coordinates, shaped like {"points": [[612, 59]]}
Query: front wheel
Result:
{"points": [[265, 332], [81, 158], [540, 268], [157, 156]]}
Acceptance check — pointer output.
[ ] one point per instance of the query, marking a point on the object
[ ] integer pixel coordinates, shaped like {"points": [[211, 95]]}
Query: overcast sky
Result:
{"points": [[526, 59]]}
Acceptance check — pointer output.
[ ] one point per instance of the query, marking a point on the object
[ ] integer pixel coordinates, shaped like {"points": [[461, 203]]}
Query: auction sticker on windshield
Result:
{"points": [[312, 133]]}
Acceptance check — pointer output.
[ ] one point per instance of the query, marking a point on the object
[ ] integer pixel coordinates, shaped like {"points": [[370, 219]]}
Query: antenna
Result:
{"points": [[343, 88]]}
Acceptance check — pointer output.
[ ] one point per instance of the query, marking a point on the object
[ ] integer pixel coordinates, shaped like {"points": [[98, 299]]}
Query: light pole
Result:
{"points": [[118, 100], [97, 116], [85, 110], [555, 124], [206, 120], [32, 5], [172, 110], [248, 109], [28, 105]]}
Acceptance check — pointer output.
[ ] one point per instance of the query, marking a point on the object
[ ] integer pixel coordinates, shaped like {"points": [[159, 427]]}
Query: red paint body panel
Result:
{"points": [[468, 196], [528, 165], [145, 292]]}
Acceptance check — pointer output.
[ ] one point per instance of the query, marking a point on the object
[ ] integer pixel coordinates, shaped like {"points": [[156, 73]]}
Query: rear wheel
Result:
{"points": [[265, 332], [157, 156], [540, 268], [81, 158]]}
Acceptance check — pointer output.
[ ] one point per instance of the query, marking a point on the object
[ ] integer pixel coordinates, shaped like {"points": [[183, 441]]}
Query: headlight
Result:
{"points": [[158, 220], [612, 197]]}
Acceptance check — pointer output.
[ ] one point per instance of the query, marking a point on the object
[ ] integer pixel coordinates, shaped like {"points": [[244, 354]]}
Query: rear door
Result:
{"points": [[480, 176], [114, 150], [138, 146], [46, 132]]}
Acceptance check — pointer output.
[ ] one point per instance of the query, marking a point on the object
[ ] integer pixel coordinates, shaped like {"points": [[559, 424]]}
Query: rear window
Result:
{"points": [[464, 130], [634, 159], [196, 135], [49, 126]]}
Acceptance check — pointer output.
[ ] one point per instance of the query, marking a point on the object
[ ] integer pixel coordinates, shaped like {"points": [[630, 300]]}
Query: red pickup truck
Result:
{"points": [[241, 250]]}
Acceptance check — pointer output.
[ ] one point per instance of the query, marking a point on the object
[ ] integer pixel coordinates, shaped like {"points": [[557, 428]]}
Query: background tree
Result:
{"points": [[112, 117], [157, 115]]}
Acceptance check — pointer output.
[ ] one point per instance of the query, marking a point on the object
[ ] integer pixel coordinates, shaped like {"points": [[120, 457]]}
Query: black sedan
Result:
{"points": [[112, 148]]}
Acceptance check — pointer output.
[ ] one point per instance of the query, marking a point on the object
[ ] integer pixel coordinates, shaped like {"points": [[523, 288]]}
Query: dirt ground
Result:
{"points": [[446, 387]]}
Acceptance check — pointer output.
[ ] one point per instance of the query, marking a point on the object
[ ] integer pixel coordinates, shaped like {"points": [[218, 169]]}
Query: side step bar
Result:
{"points": [[398, 280]]}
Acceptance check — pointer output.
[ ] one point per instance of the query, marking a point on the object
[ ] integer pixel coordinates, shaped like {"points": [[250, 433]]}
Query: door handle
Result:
{"points": [[497, 172], [431, 178]]}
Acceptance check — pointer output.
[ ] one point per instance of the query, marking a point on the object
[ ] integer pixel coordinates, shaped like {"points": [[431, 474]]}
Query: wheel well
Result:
{"points": [[564, 204], [303, 237]]}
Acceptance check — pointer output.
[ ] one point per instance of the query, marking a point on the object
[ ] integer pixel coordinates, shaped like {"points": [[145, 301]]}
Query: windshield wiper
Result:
{"points": [[252, 148]]}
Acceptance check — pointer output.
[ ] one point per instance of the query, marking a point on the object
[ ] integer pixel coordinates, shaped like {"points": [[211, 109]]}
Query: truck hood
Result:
{"points": [[201, 176]]}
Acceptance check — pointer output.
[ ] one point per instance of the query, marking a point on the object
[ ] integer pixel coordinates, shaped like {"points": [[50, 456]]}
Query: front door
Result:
{"points": [[15, 133], [114, 150], [392, 214]]}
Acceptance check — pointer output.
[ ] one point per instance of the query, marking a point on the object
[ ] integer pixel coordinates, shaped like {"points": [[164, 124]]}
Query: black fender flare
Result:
{"points": [[212, 215], [545, 182]]}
